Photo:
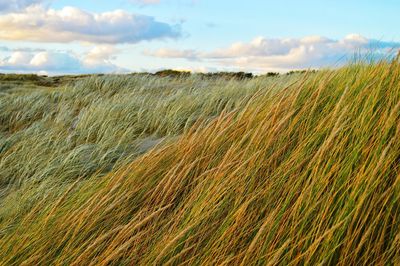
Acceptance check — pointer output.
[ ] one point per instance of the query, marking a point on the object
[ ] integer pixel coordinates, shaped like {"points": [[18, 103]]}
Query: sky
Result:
{"points": [[120, 36]]}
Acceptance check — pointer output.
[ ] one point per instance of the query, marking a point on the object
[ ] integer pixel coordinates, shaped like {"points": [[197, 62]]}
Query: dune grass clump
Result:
{"points": [[306, 173]]}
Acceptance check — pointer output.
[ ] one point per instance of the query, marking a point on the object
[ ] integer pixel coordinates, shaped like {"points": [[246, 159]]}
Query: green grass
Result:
{"points": [[299, 169]]}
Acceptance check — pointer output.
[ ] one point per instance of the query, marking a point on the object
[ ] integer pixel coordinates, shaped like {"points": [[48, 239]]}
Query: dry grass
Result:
{"points": [[306, 173]]}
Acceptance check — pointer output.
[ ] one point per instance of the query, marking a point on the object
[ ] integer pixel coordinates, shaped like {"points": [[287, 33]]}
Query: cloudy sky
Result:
{"points": [[93, 36]]}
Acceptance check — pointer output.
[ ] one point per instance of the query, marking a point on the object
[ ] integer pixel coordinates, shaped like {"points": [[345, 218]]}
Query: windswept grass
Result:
{"points": [[60, 135], [306, 173]]}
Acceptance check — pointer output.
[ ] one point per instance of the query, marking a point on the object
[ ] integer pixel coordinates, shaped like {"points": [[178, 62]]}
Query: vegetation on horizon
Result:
{"points": [[289, 169]]}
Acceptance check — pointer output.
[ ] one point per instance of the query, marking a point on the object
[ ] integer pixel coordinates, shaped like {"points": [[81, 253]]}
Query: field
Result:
{"points": [[147, 170]]}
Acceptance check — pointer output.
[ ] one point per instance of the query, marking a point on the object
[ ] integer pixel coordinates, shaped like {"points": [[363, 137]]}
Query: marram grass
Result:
{"points": [[303, 173]]}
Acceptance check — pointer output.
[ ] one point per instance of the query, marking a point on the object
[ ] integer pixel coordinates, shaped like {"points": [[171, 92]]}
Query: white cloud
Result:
{"points": [[20, 58], [100, 55], [266, 54], [200, 69], [55, 61], [35, 23], [97, 60], [173, 53]]}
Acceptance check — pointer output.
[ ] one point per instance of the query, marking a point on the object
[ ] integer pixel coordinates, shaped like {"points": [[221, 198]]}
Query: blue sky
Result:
{"points": [[68, 37]]}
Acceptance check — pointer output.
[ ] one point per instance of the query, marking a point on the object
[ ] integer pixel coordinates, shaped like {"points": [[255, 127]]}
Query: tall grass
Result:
{"points": [[52, 137], [306, 173]]}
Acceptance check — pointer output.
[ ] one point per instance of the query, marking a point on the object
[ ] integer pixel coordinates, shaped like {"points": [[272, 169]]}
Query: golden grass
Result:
{"points": [[306, 173]]}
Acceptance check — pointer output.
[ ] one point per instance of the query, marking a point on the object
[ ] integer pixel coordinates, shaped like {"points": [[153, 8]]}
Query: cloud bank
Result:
{"points": [[97, 60], [280, 54], [69, 24]]}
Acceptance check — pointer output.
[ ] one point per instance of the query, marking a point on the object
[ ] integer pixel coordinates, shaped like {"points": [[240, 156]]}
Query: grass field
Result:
{"points": [[140, 170]]}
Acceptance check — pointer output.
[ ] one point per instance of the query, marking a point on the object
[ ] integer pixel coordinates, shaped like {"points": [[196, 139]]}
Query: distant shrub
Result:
{"points": [[301, 71], [270, 74], [228, 75], [19, 77], [172, 73]]}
